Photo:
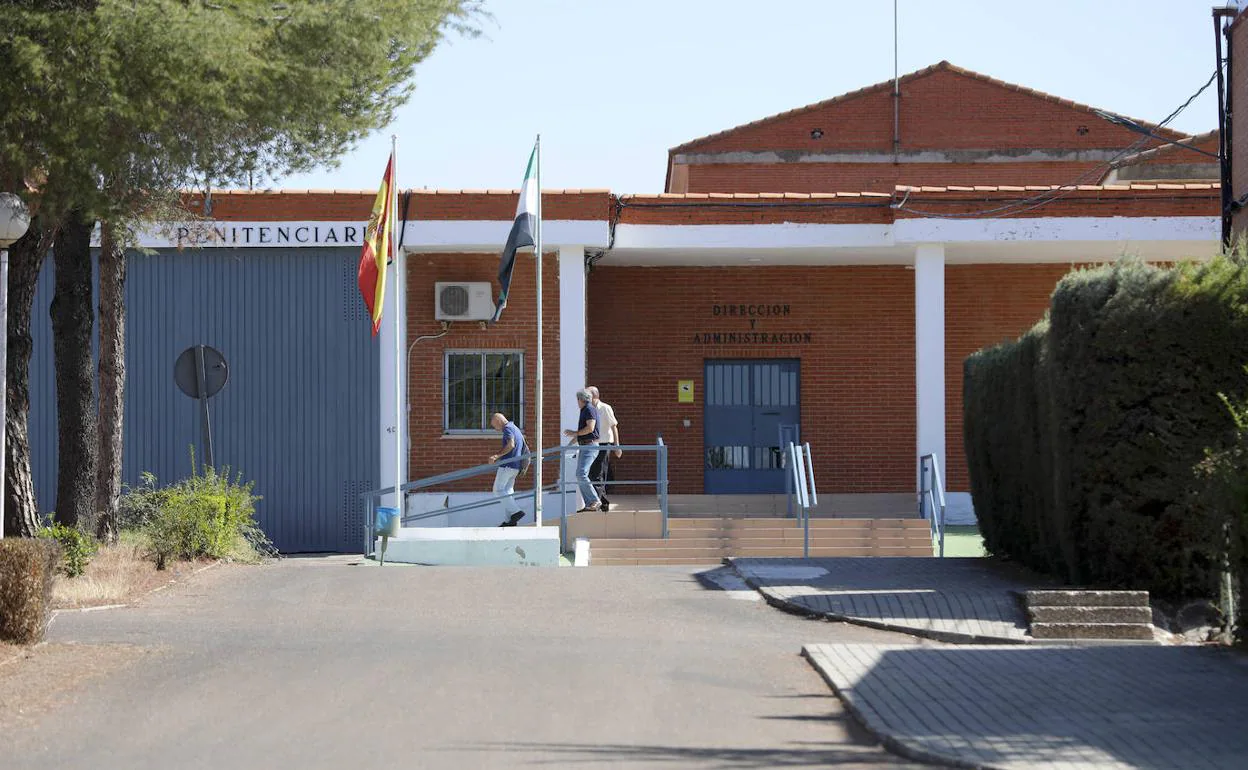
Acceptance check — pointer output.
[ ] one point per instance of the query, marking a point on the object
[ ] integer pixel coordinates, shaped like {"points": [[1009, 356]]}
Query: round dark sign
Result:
{"points": [[186, 371]]}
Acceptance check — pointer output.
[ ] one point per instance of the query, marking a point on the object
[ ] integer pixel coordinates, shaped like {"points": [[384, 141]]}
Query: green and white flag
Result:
{"points": [[523, 230]]}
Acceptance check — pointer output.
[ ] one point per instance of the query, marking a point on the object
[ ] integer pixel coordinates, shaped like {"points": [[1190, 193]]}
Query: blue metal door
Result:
{"points": [[746, 403]]}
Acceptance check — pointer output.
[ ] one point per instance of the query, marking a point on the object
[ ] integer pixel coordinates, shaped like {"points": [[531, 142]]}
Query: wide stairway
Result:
{"points": [[705, 529]]}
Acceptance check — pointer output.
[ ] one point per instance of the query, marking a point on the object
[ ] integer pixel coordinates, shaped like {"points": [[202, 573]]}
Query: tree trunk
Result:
{"points": [[21, 513], [72, 325], [112, 383]]}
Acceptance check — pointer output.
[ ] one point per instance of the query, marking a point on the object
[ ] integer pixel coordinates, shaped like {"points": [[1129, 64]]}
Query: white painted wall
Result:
{"points": [[929, 349], [487, 515]]}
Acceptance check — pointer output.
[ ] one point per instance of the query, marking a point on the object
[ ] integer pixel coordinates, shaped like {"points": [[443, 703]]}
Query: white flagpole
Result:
{"points": [[537, 252], [396, 312]]}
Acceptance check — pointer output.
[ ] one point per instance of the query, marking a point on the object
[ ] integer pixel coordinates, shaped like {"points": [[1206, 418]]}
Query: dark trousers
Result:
{"points": [[600, 472]]}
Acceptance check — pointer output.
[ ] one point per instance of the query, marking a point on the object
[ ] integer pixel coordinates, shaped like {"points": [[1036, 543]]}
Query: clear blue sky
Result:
{"points": [[612, 85]]}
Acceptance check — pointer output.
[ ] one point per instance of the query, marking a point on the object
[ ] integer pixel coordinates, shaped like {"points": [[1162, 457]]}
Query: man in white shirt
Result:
{"points": [[608, 434]]}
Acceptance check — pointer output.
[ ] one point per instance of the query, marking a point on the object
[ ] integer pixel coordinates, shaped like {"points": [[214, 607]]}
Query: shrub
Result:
{"points": [[77, 547], [1085, 437], [208, 515], [27, 570], [139, 505]]}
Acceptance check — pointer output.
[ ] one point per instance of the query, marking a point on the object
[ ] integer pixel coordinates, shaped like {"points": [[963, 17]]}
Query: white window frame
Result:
{"points": [[446, 381]]}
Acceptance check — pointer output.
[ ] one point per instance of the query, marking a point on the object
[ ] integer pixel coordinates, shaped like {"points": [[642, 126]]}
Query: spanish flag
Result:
{"points": [[378, 248]]}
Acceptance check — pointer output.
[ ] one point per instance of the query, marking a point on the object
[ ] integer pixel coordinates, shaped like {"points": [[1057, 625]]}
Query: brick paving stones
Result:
{"points": [[959, 600], [1012, 707]]}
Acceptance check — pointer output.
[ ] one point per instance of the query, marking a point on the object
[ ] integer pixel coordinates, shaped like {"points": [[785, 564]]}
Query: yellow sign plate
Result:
{"points": [[684, 391]]}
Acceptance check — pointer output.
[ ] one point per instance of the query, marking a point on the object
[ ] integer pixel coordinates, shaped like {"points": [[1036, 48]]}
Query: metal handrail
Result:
{"points": [[371, 496], [801, 473], [933, 494]]}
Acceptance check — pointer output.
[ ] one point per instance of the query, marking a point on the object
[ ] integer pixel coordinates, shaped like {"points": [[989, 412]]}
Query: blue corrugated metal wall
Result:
{"points": [[300, 412]]}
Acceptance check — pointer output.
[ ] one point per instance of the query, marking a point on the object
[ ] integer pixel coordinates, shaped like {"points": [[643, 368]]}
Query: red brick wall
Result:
{"points": [[431, 451], [857, 374], [940, 110], [984, 305], [879, 177], [331, 205]]}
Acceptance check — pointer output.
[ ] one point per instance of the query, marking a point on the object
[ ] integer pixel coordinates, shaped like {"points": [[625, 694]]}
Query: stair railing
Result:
{"points": [[932, 498], [802, 477], [563, 486]]}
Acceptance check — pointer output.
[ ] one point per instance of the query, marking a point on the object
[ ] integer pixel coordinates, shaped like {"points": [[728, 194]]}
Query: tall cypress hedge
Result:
{"points": [[1085, 437]]}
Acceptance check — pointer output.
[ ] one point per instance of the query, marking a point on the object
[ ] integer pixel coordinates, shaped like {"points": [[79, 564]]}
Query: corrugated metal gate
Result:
{"points": [[746, 403], [299, 415]]}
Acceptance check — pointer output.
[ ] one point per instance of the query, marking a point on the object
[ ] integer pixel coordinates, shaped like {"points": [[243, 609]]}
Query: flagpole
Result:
{"points": [[397, 311], [537, 252]]}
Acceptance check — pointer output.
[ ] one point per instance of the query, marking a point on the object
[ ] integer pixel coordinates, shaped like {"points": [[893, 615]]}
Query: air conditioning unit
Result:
{"points": [[463, 301]]}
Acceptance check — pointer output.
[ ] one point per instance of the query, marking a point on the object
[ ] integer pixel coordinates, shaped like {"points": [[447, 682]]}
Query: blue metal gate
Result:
{"points": [[746, 403], [299, 414]]}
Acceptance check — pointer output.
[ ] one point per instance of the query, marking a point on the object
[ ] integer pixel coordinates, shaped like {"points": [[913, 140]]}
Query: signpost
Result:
{"points": [[201, 372]]}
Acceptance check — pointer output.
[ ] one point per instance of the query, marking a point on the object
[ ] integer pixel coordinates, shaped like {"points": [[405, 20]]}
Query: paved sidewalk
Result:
{"points": [[1047, 707], [952, 600]]}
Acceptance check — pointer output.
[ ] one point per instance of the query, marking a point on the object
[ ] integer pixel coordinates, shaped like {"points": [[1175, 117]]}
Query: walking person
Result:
{"points": [[601, 472], [586, 435], [509, 466]]}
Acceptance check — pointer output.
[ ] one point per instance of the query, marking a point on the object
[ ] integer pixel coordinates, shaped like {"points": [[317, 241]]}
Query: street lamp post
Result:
{"points": [[14, 221]]}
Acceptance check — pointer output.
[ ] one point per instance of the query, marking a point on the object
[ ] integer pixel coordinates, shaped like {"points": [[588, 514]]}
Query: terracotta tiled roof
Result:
{"points": [[752, 196], [545, 191], [1133, 186], [942, 66], [902, 190]]}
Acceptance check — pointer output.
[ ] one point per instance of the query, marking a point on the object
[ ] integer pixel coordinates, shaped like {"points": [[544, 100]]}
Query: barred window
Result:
{"points": [[480, 383]]}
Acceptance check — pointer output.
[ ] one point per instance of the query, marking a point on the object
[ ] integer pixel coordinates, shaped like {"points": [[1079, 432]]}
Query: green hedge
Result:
{"points": [[1085, 437]]}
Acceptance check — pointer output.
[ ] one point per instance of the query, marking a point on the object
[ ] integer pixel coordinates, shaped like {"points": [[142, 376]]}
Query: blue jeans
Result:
{"points": [[584, 459]]}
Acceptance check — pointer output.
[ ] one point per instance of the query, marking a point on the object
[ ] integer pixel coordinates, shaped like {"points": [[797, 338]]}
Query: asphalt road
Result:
{"points": [[313, 663]]}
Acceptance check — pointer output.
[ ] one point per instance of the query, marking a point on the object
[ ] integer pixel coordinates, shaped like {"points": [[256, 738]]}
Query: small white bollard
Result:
{"points": [[581, 554]]}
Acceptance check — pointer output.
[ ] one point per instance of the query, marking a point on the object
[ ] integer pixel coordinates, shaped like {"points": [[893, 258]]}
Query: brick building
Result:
{"points": [[829, 267]]}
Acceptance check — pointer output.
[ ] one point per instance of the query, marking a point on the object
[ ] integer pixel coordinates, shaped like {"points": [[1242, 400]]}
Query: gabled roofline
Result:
{"points": [[941, 66]]}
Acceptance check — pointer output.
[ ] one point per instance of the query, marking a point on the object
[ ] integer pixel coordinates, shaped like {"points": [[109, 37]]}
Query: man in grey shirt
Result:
{"points": [[608, 435]]}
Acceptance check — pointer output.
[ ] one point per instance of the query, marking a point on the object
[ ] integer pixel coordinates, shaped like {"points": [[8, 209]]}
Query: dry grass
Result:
{"points": [[119, 574], [9, 651]]}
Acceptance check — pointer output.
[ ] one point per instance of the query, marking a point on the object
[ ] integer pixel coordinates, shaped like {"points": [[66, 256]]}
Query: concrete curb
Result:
{"points": [[949, 637], [879, 730]]}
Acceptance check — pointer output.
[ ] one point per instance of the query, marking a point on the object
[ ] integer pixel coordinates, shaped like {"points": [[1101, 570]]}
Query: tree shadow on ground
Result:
{"points": [[805, 754]]}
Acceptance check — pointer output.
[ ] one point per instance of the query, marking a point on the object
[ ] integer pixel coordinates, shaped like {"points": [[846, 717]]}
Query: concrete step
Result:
{"points": [[653, 562], [756, 522], [599, 543], [1077, 598], [1086, 615], [1115, 631], [791, 552], [654, 553]]}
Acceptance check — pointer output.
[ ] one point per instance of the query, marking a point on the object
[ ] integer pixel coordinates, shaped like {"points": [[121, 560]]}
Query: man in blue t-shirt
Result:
{"points": [[509, 463], [586, 435]]}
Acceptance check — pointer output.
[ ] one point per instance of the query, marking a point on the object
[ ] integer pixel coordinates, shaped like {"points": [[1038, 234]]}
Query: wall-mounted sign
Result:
{"points": [[231, 234], [752, 313], [684, 391]]}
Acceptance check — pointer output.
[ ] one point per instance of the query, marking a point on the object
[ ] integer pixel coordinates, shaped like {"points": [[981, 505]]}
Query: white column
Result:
{"points": [[572, 331], [390, 406], [572, 347], [929, 351]]}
